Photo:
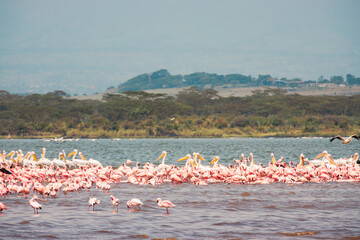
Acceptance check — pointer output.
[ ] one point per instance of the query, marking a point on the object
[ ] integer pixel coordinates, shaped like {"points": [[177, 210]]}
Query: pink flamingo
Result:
{"points": [[165, 204], [134, 202], [2, 207], [115, 202], [34, 204]]}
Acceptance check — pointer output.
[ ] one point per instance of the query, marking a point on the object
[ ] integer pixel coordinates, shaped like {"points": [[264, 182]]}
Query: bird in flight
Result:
{"points": [[345, 140]]}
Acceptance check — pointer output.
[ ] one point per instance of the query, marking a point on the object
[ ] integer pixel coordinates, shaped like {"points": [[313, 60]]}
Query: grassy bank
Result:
{"points": [[200, 127], [193, 113]]}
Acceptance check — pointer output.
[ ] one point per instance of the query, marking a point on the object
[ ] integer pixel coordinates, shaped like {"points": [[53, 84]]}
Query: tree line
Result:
{"points": [[193, 112], [202, 80]]}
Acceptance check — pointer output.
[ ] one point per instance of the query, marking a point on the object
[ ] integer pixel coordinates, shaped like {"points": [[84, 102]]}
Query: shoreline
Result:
{"points": [[171, 137]]}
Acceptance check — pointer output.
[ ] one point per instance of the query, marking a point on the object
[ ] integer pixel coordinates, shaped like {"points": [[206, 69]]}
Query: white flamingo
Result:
{"points": [[35, 204]]}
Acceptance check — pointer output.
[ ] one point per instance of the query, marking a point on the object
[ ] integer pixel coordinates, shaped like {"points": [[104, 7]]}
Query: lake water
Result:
{"points": [[216, 211]]}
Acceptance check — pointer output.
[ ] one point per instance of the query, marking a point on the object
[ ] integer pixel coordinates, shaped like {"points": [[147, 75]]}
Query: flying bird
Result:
{"points": [[345, 140]]}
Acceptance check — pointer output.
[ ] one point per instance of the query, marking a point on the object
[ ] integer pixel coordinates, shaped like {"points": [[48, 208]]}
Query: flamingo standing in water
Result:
{"points": [[35, 204], [93, 202], [2, 207], [134, 202], [165, 204], [115, 202]]}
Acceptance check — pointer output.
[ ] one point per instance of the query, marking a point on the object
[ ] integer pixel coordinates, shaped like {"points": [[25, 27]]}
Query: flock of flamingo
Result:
{"points": [[25, 174]]}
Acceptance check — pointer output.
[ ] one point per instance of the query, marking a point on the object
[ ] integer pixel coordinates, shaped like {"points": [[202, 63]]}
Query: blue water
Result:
{"points": [[115, 152], [216, 211]]}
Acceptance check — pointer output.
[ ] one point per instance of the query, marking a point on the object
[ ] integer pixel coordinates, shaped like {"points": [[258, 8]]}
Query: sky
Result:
{"points": [[86, 46]]}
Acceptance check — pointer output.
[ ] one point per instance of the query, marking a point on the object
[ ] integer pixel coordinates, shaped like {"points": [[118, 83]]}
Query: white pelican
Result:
{"points": [[327, 158], [303, 160], [68, 163], [11, 160], [343, 161], [91, 161], [2, 157], [78, 162], [34, 204], [188, 160], [134, 202], [165, 204], [25, 158], [115, 202], [355, 159], [272, 159], [29, 160], [197, 155], [193, 161], [163, 157], [345, 140], [318, 162], [252, 162], [59, 162], [93, 202], [215, 161], [43, 160], [33, 161]]}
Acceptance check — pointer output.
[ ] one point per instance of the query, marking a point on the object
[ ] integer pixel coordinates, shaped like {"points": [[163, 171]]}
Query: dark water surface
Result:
{"points": [[216, 211]]}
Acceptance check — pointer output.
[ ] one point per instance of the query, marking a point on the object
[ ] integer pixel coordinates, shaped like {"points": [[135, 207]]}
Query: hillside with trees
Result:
{"points": [[193, 112], [163, 79]]}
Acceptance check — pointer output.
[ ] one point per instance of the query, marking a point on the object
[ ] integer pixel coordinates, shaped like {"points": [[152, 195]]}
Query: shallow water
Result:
{"points": [[216, 211], [115, 152]]}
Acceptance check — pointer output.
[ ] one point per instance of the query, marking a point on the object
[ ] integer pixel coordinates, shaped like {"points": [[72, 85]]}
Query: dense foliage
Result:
{"points": [[192, 113], [201, 80]]}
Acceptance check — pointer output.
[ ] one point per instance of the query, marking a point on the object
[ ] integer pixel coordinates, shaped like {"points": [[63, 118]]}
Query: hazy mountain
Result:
{"points": [[87, 46]]}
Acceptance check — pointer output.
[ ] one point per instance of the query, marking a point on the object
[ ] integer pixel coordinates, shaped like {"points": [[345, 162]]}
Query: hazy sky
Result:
{"points": [[87, 46]]}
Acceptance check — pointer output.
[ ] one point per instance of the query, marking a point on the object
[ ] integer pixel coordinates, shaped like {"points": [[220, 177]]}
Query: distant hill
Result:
{"points": [[236, 85], [163, 79]]}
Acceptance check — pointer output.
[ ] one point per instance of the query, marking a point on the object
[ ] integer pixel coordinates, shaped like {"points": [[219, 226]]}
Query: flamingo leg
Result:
{"points": [[167, 210]]}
